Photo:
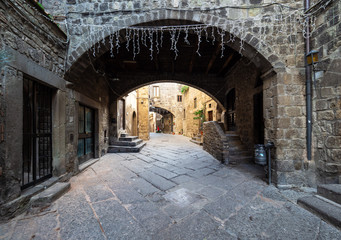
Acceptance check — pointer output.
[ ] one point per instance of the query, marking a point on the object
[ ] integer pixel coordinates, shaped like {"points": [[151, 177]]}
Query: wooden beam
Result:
{"points": [[191, 64], [228, 60], [213, 58], [173, 66], [156, 61]]}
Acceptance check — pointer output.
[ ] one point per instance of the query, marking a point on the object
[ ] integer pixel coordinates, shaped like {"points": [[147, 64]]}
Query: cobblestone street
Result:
{"points": [[172, 189]]}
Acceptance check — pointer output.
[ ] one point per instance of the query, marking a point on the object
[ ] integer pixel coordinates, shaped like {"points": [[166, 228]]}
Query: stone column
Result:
{"points": [[285, 124], [143, 113], [58, 132]]}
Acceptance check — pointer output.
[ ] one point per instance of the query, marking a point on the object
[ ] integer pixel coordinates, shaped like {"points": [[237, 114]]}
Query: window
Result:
{"points": [[179, 98], [209, 105], [156, 91], [37, 132], [195, 102]]}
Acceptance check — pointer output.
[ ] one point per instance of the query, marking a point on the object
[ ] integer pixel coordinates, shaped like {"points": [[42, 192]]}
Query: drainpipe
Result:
{"points": [[308, 83]]}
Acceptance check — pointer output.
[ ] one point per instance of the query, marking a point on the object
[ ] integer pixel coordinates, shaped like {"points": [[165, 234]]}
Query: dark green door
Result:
{"points": [[85, 133]]}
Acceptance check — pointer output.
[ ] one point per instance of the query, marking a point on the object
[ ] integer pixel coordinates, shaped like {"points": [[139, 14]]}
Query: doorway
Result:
{"points": [[231, 110], [258, 121], [37, 132], [210, 115], [134, 124], [85, 133]]}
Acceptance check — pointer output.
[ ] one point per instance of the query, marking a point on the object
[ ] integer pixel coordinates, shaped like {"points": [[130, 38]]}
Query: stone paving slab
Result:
{"points": [[128, 196]]}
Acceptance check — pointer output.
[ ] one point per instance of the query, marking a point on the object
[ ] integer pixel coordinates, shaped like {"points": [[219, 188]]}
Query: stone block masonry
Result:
{"points": [[35, 47], [215, 141], [326, 96], [143, 113]]}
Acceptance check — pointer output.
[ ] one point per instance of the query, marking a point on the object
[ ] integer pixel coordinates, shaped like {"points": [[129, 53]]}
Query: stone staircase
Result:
{"points": [[326, 204], [126, 144], [238, 152], [197, 139]]}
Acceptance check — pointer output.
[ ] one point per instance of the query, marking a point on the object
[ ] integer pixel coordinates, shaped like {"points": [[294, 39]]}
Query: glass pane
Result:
{"points": [[81, 119], [80, 147], [88, 145], [88, 120]]}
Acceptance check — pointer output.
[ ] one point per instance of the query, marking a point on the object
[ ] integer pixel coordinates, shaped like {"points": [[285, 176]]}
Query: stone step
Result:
{"points": [[244, 153], [196, 142], [322, 207], [124, 134], [128, 138], [126, 149], [330, 191], [128, 143], [50, 194], [240, 159], [238, 147], [232, 137]]}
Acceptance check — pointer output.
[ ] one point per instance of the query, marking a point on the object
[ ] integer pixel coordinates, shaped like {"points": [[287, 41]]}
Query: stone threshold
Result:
{"points": [[24, 201]]}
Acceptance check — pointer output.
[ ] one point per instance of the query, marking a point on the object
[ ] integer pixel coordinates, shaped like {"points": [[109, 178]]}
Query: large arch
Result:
{"points": [[258, 63], [255, 50]]}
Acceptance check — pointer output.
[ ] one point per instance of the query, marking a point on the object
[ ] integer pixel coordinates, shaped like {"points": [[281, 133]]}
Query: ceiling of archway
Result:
{"points": [[188, 60], [204, 67]]}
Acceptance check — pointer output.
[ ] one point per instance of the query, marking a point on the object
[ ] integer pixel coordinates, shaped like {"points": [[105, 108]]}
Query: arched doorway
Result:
{"points": [[134, 124], [231, 110]]}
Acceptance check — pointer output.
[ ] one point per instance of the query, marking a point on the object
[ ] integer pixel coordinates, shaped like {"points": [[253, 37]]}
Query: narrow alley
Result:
{"points": [[172, 189]]}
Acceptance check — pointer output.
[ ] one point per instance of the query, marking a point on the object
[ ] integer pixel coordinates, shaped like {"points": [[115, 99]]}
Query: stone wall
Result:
{"points": [[120, 14], [327, 95], [213, 106], [193, 126], [35, 47], [215, 141], [131, 107], [167, 99]]}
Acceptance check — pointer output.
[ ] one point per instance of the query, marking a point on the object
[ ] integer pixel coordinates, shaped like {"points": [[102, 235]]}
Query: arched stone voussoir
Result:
{"points": [[252, 44]]}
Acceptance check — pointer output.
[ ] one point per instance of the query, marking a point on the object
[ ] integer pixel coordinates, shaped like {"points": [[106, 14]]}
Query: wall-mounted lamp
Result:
{"points": [[312, 59]]}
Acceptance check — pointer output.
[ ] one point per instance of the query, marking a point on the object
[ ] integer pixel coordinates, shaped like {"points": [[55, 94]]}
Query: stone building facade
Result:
{"points": [[86, 78], [195, 100], [35, 54], [165, 96]]}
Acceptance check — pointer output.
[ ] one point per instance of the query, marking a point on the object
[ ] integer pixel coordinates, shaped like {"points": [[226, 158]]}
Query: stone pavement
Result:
{"points": [[172, 189]]}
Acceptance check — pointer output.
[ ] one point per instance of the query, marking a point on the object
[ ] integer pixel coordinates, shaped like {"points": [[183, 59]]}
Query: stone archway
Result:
{"points": [[258, 63]]}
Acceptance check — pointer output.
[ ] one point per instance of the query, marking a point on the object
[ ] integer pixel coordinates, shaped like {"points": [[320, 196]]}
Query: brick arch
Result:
{"points": [[254, 49]]}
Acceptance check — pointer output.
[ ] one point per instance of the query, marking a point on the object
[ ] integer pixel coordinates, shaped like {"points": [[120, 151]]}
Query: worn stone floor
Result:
{"points": [[171, 190]]}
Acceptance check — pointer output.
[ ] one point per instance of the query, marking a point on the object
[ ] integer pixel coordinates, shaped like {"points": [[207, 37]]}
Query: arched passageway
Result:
{"points": [[215, 70], [163, 121]]}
